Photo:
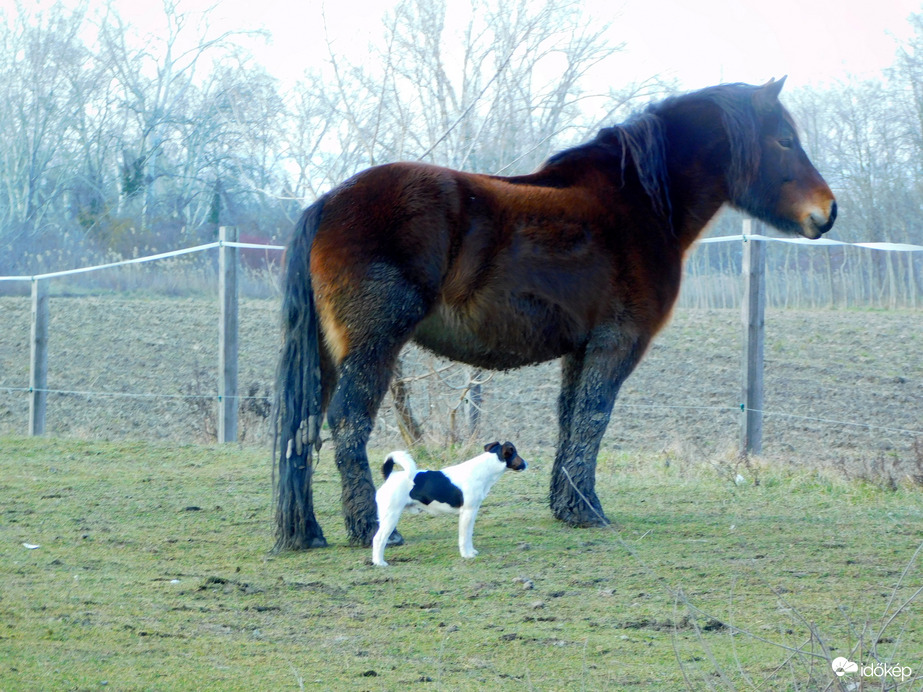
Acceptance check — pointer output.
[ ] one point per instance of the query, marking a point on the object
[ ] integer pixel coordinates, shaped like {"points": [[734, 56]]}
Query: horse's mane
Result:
{"points": [[642, 139], [741, 122]]}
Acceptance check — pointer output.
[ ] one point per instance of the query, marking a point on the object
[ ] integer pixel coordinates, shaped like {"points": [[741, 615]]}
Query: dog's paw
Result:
{"points": [[380, 564], [468, 554]]}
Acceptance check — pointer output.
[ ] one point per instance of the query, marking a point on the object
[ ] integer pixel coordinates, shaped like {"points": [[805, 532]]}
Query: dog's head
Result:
{"points": [[507, 453]]}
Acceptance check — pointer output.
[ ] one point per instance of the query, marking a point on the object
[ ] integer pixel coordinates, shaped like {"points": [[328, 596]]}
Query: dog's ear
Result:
{"points": [[492, 447], [509, 451]]}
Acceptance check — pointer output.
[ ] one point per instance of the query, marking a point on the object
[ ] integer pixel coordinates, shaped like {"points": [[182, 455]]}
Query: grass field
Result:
{"points": [[153, 571]]}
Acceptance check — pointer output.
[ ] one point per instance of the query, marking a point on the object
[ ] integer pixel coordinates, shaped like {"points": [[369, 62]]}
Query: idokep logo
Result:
{"points": [[842, 666]]}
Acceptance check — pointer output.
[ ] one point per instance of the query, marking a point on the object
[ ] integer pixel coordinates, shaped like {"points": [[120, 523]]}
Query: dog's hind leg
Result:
{"points": [[466, 519], [388, 515]]}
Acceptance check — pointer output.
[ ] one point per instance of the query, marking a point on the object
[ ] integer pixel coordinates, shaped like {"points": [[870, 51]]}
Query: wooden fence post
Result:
{"points": [[227, 336], [38, 368], [753, 314]]}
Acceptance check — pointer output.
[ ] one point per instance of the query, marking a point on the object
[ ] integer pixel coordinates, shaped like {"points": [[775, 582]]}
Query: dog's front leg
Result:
{"points": [[466, 532]]}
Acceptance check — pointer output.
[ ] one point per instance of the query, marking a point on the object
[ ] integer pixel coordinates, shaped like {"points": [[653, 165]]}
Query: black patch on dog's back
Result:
{"points": [[435, 486]]}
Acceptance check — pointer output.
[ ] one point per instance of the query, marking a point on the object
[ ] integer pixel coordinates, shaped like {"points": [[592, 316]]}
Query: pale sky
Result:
{"points": [[813, 41], [698, 42]]}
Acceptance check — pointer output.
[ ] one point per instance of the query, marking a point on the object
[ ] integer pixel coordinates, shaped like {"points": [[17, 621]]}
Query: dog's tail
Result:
{"points": [[402, 459]]}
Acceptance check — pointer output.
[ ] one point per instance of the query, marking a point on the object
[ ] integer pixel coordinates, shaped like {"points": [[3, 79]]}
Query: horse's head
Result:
{"points": [[785, 189]]}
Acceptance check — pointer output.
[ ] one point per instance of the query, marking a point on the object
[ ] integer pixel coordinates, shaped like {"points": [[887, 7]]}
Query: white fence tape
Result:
{"points": [[894, 247], [139, 260]]}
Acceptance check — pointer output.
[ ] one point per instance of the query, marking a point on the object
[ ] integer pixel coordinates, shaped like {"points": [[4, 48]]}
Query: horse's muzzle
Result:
{"points": [[826, 226], [819, 223]]}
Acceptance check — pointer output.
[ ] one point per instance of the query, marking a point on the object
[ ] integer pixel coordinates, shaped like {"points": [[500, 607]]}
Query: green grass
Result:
{"points": [[154, 572]]}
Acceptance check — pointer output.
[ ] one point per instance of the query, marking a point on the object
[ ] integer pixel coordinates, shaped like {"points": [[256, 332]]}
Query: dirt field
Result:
{"points": [[844, 389]]}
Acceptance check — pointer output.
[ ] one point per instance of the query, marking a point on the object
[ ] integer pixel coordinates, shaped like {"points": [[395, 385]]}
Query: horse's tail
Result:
{"points": [[402, 459], [298, 399]]}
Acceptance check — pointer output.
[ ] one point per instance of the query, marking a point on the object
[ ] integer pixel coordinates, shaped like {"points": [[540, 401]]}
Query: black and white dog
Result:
{"points": [[458, 489]]}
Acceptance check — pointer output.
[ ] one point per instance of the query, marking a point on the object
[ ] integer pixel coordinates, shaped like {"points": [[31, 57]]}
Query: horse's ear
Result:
{"points": [[766, 97], [769, 93]]}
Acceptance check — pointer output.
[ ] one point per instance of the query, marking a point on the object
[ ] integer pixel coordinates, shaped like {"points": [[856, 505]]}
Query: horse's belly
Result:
{"points": [[519, 332]]}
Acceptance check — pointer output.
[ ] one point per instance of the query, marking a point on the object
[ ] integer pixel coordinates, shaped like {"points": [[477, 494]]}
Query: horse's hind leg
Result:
{"points": [[590, 384], [386, 314], [364, 377]]}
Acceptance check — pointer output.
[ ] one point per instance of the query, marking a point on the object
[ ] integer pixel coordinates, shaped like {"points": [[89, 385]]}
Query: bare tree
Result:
{"points": [[39, 58], [229, 167], [497, 94], [158, 77]]}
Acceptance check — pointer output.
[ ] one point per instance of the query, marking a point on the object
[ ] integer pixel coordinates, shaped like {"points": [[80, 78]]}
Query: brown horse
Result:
{"points": [[580, 260]]}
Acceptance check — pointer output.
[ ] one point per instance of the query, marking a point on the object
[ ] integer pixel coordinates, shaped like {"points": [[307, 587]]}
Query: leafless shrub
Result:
{"points": [[885, 471], [916, 461], [253, 413], [200, 403]]}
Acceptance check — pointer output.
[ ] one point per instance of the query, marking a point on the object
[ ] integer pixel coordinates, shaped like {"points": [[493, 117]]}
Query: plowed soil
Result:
{"points": [[844, 388]]}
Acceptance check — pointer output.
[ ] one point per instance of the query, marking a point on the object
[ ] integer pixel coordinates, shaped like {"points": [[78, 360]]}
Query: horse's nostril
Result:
{"points": [[824, 222], [823, 228]]}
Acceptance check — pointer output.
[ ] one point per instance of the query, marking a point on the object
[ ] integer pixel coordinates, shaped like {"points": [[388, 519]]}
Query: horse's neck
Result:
{"points": [[692, 215], [697, 170]]}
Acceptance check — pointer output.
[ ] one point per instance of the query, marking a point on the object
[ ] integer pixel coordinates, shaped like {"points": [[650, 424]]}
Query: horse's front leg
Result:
{"points": [[590, 383], [571, 365]]}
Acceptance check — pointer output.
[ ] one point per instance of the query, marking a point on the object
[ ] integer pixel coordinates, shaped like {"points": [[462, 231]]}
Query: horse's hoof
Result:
{"points": [[301, 543], [363, 542], [395, 538], [580, 520], [593, 523]]}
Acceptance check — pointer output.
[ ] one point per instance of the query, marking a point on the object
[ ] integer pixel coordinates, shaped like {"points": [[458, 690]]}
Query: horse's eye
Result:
{"points": [[786, 142]]}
